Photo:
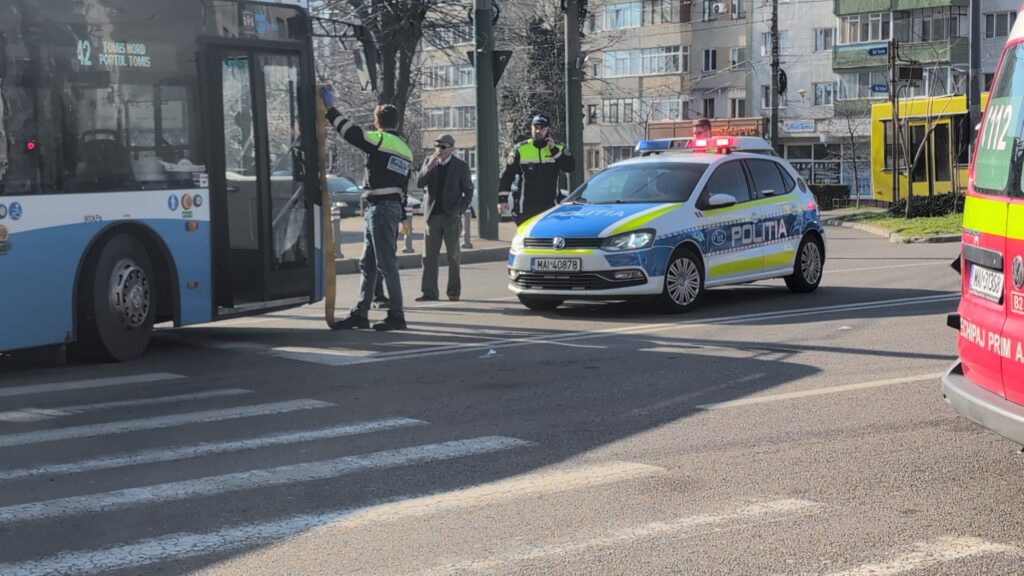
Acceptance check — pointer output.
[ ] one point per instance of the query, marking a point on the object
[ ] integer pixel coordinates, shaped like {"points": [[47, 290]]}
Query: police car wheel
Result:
{"points": [[538, 304], [684, 282], [807, 270]]}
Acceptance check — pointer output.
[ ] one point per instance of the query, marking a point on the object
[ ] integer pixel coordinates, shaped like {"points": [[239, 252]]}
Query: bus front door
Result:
{"points": [[260, 161]]}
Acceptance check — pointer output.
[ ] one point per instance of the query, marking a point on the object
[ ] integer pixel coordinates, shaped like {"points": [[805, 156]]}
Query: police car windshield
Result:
{"points": [[637, 183]]}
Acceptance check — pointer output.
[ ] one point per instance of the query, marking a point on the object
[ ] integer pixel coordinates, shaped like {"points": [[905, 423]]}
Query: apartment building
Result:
{"points": [[448, 92]]}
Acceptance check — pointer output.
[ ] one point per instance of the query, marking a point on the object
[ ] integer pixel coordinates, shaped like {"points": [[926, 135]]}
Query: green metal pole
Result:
{"points": [[574, 91], [486, 123]]}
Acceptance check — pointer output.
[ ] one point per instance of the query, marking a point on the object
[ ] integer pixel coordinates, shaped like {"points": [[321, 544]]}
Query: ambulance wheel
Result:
{"points": [[117, 302], [810, 261], [538, 304], [684, 282]]}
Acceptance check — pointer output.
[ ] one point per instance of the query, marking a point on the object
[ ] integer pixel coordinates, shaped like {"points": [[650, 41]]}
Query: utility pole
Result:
{"points": [[976, 77], [774, 125], [894, 87], [573, 90], [486, 123]]}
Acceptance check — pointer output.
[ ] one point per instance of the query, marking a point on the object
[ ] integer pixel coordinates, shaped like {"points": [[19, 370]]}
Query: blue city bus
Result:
{"points": [[157, 164]]}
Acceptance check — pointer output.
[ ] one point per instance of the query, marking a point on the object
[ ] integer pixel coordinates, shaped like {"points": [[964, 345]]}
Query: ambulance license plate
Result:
{"points": [[987, 283], [557, 264]]}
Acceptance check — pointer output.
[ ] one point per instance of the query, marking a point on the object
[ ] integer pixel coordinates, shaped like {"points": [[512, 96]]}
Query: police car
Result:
{"points": [[669, 227]]}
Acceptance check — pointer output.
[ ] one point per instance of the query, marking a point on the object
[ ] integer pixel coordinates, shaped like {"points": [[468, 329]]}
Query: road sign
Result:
{"points": [[879, 88], [879, 51]]}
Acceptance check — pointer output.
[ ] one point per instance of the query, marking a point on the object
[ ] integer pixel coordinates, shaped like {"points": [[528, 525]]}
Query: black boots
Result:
{"points": [[392, 322], [352, 322]]}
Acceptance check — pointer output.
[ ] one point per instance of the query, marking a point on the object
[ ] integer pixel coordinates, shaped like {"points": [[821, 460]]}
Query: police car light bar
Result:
{"points": [[721, 144]]}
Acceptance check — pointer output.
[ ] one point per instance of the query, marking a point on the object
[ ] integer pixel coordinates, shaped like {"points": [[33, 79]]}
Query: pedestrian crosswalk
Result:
{"points": [[215, 473]]}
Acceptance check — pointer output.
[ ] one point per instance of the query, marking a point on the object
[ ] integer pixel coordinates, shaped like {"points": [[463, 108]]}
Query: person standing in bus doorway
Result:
{"points": [[449, 193], [539, 163], [388, 167]]}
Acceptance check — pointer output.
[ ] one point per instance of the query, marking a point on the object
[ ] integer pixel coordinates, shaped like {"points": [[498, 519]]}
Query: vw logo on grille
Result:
{"points": [[1018, 272], [558, 243]]}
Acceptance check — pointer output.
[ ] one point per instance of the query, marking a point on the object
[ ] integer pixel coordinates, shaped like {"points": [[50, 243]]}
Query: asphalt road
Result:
{"points": [[766, 433]]}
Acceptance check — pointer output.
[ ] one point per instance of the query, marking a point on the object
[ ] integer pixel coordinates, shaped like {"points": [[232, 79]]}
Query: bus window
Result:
{"points": [[962, 143], [921, 168], [940, 151]]}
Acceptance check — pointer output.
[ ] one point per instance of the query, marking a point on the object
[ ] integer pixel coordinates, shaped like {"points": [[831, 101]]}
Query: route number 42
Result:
{"points": [[997, 126]]}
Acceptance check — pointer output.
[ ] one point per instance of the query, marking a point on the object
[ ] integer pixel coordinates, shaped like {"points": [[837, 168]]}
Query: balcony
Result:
{"points": [[849, 7], [863, 55], [868, 55]]}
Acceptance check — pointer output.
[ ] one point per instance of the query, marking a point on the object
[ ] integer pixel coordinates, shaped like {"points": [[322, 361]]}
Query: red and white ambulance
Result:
{"points": [[987, 383]]}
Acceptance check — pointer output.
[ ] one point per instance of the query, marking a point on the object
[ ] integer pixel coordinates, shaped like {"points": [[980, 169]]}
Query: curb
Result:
{"points": [[411, 261], [892, 236]]}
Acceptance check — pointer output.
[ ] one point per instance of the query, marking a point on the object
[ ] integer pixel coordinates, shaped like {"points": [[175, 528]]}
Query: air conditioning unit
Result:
{"points": [[719, 8]]}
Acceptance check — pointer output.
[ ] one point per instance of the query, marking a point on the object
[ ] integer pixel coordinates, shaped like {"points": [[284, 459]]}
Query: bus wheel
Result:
{"points": [[684, 282], [118, 303], [809, 263]]}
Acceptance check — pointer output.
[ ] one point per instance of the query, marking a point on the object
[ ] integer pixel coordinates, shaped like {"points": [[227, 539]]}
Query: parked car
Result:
{"points": [[344, 196]]}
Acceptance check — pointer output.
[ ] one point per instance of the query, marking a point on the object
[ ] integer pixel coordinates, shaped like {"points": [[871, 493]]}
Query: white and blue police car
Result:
{"points": [[670, 226]]}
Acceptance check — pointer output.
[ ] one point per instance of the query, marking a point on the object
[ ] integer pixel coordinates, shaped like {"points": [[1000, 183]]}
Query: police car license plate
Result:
{"points": [[557, 265], [987, 283]]}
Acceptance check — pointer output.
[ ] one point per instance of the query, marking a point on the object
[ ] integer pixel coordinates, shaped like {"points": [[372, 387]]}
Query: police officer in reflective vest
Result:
{"points": [[538, 163], [385, 190]]}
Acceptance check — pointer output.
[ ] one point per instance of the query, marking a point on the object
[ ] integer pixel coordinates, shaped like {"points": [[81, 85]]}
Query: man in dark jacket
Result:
{"points": [[385, 190], [538, 161], [449, 191]]}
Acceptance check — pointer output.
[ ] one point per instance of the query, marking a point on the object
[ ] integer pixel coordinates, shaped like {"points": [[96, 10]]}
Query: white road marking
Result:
{"points": [[820, 391], [185, 545], [928, 554], [125, 426], [895, 266], [36, 414], [206, 449], [249, 479], [87, 384], [327, 357], [682, 525]]}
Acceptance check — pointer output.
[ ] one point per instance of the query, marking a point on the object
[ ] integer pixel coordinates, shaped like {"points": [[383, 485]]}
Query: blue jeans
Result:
{"points": [[380, 244]]}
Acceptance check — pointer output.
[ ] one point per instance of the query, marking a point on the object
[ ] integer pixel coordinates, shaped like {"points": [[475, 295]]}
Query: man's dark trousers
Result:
{"points": [[442, 226]]}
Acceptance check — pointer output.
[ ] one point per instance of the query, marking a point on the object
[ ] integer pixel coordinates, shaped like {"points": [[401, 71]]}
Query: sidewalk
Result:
{"points": [[350, 245]]}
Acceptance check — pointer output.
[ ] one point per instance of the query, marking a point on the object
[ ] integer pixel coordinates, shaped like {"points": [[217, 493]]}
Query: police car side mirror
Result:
{"points": [[721, 201]]}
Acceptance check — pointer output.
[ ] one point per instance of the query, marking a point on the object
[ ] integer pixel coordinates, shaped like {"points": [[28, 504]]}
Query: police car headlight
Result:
{"points": [[636, 240], [518, 243]]}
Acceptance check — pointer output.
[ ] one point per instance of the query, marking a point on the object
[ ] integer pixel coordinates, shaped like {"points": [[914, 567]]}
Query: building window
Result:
{"points": [[625, 15], [863, 85], [642, 62], [817, 163], [592, 117], [620, 110], [661, 12], [710, 60], [864, 28], [684, 58], [930, 24], [737, 56], [467, 155], [824, 93], [448, 76], [709, 107], [614, 154], [766, 43], [822, 39], [999, 24], [738, 107], [455, 117], [658, 109], [452, 36], [593, 159]]}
